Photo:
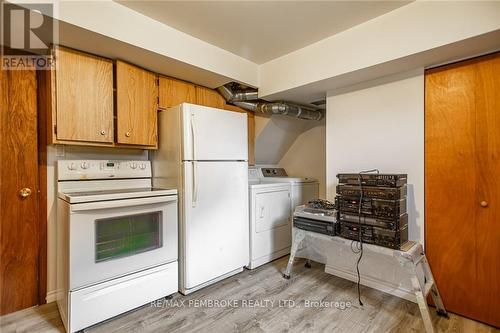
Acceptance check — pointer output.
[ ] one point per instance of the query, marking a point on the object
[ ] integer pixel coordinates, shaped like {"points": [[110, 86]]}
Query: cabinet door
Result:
{"points": [[174, 92], [136, 105], [209, 97], [84, 97]]}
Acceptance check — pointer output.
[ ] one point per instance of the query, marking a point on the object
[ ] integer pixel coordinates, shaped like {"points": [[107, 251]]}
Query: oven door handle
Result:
{"points": [[122, 203]]}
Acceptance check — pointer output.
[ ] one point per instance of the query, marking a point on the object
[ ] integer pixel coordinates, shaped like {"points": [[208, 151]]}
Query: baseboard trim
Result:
{"points": [[51, 296], [372, 282]]}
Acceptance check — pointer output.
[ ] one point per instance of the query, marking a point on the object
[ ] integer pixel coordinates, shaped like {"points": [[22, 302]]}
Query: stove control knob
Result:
{"points": [[72, 166], [143, 166], [85, 165], [133, 166]]}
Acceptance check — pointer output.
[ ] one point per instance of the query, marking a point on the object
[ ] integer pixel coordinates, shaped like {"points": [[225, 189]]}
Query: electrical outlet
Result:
{"points": [[60, 152]]}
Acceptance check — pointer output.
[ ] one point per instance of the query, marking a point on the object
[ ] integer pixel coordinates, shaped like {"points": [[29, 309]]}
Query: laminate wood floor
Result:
{"points": [[262, 302]]}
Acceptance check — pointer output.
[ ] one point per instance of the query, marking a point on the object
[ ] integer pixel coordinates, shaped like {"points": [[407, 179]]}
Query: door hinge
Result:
{"points": [[55, 129]]}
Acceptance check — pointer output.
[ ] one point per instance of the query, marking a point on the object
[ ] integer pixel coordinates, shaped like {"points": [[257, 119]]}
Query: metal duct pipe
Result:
{"points": [[290, 109], [242, 99], [238, 96]]}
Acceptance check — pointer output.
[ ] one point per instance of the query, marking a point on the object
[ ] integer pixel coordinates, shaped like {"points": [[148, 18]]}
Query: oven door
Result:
{"points": [[114, 238]]}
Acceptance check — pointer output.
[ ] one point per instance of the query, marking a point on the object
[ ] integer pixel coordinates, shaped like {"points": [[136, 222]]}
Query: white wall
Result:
{"points": [[110, 29], [295, 144], [274, 136], [306, 157], [55, 153], [415, 34], [380, 125]]}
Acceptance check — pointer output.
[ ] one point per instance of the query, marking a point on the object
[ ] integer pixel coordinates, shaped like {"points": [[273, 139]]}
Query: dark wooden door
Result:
{"points": [[462, 185], [19, 227]]}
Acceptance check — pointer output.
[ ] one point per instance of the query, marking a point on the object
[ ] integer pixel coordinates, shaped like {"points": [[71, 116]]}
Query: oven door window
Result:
{"points": [[124, 236]]}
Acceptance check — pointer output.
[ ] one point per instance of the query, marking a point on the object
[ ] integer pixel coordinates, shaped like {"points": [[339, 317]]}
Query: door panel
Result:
{"points": [[273, 210], [462, 126], [84, 88], [215, 226], [119, 240], [450, 177], [136, 105], [250, 130], [19, 232], [488, 177], [212, 134]]}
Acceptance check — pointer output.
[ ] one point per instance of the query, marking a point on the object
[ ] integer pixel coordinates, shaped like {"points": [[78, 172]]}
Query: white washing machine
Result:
{"points": [[273, 197], [302, 189], [270, 219]]}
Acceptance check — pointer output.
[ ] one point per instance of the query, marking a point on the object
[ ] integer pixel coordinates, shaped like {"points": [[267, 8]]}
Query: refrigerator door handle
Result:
{"points": [[195, 185], [195, 171], [193, 136]]}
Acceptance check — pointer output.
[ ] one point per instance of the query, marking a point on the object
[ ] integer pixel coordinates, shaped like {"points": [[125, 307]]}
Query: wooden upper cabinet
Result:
{"points": [[209, 97], [82, 97], [136, 106], [173, 92]]}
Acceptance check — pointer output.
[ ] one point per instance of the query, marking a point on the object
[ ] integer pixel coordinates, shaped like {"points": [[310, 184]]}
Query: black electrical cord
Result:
{"points": [[360, 238]]}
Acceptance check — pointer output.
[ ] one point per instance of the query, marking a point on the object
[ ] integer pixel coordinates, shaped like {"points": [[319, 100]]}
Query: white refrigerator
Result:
{"points": [[203, 152]]}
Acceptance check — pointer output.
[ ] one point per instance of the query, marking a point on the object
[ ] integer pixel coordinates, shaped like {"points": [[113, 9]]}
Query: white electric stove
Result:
{"points": [[116, 240]]}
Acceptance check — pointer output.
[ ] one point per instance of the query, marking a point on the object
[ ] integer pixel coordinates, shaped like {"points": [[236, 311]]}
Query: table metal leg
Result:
{"points": [[298, 237], [423, 286], [422, 304], [436, 297]]}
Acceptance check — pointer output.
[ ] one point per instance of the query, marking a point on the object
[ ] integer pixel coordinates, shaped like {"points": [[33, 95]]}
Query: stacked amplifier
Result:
{"points": [[382, 218]]}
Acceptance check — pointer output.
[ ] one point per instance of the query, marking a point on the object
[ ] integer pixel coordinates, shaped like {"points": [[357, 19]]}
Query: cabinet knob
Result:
{"points": [[103, 132], [484, 203], [127, 134], [25, 192]]}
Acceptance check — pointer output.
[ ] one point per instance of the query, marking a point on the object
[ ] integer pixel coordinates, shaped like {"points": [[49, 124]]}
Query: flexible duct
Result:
{"points": [[238, 96], [249, 100]]}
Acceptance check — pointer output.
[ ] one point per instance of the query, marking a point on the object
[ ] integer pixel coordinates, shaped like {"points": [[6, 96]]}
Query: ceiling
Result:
{"points": [[262, 30]]}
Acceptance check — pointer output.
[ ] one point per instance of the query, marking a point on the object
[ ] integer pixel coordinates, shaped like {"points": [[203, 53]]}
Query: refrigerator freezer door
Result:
{"points": [[214, 228], [214, 135]]}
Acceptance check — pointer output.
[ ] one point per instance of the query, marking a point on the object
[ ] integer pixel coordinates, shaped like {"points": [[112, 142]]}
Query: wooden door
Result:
{"points": [[462, 184], [136, 105], [487, 100], [19, 224], [209, 97], [84, 97], [173, 92]]}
